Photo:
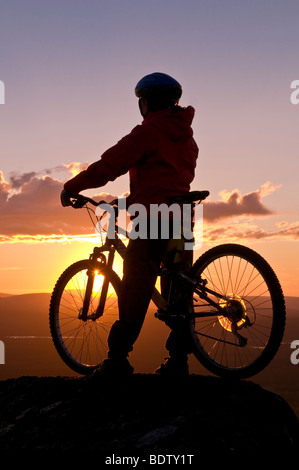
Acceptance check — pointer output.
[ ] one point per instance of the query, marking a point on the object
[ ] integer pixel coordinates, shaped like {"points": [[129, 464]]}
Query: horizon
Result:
{"points": [[29, 349]]}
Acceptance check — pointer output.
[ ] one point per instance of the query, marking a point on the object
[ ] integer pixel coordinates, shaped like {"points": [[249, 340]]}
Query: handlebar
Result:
{"points": [[77, 201], [79, 198]]}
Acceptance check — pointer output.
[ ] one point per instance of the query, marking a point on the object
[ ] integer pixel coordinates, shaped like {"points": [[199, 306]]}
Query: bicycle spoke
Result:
{"points": [[82, 343], [237, 338]]}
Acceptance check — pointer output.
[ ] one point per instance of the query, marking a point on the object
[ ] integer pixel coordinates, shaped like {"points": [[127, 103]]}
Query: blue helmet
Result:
{"points": [[159, 86]]}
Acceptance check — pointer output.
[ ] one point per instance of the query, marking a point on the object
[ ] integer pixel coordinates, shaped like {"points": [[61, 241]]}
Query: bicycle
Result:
{"points": [[236, 320]]}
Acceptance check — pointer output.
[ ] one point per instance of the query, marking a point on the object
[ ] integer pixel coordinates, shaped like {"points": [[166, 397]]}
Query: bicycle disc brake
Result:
{"points": [[235, 317]]}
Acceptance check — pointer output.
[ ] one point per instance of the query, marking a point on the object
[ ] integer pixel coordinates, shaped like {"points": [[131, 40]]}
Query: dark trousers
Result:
{"points": [[142, 262]]}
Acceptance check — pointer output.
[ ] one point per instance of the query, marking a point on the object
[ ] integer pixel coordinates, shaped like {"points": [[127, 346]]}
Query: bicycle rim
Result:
{"points": [[245, 339], [82, 344]]}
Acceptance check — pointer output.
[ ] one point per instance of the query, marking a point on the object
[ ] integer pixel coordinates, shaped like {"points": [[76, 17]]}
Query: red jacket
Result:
{"points": [[160, 155]]}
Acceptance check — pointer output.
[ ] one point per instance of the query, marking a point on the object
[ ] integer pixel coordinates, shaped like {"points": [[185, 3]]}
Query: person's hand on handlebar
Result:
{"points": [[75, 200]]}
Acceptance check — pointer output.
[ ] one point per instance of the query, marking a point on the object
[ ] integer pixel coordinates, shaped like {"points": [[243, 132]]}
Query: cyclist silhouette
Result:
{"points": [[160, 156]]}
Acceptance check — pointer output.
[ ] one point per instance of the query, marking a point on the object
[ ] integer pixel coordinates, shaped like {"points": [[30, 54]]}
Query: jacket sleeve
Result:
{"points": [[114, 162]]}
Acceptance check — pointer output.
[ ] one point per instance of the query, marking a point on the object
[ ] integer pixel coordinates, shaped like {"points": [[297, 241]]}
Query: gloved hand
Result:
{"points": [[65, 198], [75, 200]]}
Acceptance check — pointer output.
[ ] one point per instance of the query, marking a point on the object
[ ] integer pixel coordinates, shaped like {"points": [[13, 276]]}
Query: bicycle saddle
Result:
{"points": [[190, 197]]}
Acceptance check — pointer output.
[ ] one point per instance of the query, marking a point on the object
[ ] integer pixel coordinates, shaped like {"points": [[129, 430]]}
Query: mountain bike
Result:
{"points": [[236, 318]]}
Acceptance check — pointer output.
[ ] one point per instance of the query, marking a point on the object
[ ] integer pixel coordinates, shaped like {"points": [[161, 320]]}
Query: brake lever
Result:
{"points": [[79, 202], [77, 205]]}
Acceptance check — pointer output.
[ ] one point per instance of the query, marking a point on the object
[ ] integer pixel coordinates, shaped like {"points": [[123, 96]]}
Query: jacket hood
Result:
{"points": [[174, 123]]}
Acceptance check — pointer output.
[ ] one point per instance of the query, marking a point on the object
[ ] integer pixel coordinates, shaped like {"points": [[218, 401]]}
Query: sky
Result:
{"points": [[69, 68]]}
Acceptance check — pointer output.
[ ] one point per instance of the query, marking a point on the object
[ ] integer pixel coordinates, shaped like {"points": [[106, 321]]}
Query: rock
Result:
{"points": [[146, 414]]}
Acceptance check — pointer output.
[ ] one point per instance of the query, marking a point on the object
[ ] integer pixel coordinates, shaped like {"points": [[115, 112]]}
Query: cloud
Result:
{"points": [[235, 204], [30, 211], [72, 168], [17, 180], [248, 232], [4, 189], [75, 167], [35, 210]]}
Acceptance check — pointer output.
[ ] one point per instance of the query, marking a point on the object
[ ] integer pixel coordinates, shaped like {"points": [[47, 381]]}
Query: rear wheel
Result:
{"points": [[241, 339], [82, 343]]}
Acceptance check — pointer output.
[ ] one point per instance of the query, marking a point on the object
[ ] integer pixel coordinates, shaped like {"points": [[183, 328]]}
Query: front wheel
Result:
{"points": [[81, 339], [241, 341]]}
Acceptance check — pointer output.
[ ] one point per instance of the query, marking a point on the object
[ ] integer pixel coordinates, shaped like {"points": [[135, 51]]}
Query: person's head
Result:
{"points": [[157, 91]]}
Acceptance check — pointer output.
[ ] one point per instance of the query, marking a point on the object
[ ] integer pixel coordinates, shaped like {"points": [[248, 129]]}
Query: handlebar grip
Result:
{"points": [[77, 201]]}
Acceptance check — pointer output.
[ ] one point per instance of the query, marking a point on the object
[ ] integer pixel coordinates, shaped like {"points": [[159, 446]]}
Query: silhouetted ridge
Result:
{"points": [[146, 414]]}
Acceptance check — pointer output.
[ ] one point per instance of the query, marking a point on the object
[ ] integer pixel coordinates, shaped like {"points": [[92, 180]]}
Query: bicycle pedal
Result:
{"points": [[161, 315], [166, 315]]}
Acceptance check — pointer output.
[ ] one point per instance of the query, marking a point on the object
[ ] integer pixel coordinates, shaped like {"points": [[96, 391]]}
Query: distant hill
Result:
{"points": [[28, 313], [292, 302], [25, 314], [29, 349]]}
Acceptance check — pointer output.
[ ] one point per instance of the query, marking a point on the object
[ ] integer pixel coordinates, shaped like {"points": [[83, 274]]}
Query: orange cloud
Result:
{"points": [[16, 179], [234, 204], [35, 210], [30, 211], [4, 189], [247, 231]]}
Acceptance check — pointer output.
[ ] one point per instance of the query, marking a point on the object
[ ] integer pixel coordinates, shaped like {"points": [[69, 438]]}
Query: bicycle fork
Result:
{"points": [[91, 273]]}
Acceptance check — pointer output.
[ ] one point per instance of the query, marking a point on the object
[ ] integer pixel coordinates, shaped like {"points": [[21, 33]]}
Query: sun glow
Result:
{"points": [[97, 284], [225, 322], [55, 238]]}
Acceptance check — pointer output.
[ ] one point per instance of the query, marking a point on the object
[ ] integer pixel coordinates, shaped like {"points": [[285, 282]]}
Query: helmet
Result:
{"points": [[159, 87]]}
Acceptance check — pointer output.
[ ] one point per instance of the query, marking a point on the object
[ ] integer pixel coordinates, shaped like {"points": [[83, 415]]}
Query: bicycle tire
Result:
{"points": [[261, 316], [82, 345]]}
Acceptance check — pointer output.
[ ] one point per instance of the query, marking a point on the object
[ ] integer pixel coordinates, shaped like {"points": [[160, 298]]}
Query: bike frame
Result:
{"points": [[116, 245]]}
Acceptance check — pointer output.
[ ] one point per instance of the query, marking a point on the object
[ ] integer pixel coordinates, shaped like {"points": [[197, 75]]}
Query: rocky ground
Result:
{"points": [[145, 415]]}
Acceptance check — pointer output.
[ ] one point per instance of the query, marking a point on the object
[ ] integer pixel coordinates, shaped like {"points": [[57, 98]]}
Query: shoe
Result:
{"points": [[174, 367], [114, 368]]}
